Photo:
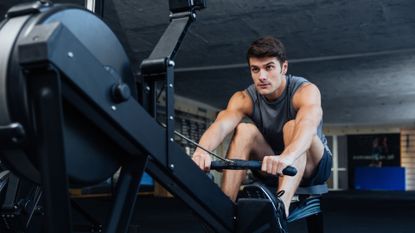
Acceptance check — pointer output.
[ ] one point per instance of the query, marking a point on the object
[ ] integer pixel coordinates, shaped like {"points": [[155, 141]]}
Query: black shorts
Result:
{"points": [[322, 172], [320, 176]]}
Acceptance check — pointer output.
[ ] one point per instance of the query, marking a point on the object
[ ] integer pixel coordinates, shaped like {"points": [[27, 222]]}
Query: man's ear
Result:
{"points": [[284, 67]]}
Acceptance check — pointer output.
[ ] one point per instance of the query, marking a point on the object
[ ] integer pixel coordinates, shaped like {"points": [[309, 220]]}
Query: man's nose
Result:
{"points": [[263, 75]]}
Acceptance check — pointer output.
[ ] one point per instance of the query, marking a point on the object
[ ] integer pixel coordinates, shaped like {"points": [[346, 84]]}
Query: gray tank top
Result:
{"points": [[270, 117]]}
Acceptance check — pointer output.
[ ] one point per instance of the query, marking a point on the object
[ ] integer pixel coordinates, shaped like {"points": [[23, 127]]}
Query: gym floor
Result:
{"points": [[351, 211]]}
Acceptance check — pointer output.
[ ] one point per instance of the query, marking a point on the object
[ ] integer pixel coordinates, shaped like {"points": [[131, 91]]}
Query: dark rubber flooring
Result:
{"points": [[344, 212]]}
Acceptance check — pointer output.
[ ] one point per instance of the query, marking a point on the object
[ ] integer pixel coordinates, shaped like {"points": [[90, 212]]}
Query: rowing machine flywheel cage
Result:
{"points": [[90, 156]]}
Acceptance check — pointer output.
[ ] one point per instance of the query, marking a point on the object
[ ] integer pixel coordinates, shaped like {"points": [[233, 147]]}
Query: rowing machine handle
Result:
{"points": [[238, 164]]}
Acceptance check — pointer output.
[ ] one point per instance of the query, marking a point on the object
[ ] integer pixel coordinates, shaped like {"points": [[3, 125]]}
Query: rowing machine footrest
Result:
{"points": [[307, 205], [304, 208]]}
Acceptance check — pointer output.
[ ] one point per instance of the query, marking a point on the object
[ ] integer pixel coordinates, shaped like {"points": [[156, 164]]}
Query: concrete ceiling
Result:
{"points": [[360, 53]]}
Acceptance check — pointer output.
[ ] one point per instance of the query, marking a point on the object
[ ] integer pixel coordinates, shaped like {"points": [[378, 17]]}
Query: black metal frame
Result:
{"points": [[45, 94], [159, 67], [59, 74]]}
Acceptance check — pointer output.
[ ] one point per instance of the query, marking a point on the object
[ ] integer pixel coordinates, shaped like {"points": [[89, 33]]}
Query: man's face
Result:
{"points": [[268, 76]]}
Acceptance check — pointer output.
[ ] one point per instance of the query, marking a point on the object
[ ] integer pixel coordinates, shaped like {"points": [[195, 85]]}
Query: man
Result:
{"points": [[287, 130]]}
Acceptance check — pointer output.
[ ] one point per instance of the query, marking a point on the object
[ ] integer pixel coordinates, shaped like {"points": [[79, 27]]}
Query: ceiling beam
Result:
{"points": [[302, 60]]}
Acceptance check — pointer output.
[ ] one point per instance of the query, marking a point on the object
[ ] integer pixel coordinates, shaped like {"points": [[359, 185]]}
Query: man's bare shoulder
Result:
{"points": [[308, 89], [306, 93], [241, 101], [243, 95]]}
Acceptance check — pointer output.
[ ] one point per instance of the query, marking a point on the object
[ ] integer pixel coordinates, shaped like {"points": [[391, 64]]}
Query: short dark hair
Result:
{"points": [[267, 46]]}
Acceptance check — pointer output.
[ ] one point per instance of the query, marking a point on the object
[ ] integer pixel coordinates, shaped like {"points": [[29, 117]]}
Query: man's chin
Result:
{"points": [[263, 92]]}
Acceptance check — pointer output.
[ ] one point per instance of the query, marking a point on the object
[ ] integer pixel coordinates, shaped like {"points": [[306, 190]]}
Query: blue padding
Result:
{"points": [[146, 180], [307, 207], [380, 178], [318, 189]]}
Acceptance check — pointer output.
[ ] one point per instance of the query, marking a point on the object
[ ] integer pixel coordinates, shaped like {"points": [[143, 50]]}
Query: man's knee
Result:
{"points": [[245, 130], [242, 141], [245, 134]]}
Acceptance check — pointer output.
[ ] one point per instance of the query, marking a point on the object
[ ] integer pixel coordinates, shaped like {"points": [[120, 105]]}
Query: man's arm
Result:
{"points": [[239, 106], [309, 114], [308, 118]]}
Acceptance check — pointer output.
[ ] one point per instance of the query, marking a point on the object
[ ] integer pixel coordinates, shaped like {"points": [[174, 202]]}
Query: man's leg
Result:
{"points": [[305, 165], [247, 143]]}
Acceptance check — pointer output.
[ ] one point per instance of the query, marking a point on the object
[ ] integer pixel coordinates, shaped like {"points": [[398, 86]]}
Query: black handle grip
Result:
{"points": [[238, 164], [289, 171]]}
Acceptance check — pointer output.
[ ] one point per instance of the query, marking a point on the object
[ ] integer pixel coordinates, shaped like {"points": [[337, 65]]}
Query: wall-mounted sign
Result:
{"points": [[372, 150]]}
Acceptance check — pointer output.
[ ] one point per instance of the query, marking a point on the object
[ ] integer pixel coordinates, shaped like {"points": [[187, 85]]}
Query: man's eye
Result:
{"points": [[254, 69], [269, 68]]}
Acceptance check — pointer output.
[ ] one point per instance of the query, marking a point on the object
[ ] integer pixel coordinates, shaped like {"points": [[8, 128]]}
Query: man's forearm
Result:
{"points": [[212, 137], [303, 134]]}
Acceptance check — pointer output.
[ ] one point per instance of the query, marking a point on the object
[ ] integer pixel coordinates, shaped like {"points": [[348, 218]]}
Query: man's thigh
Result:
{"points": [[260, 147]]}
